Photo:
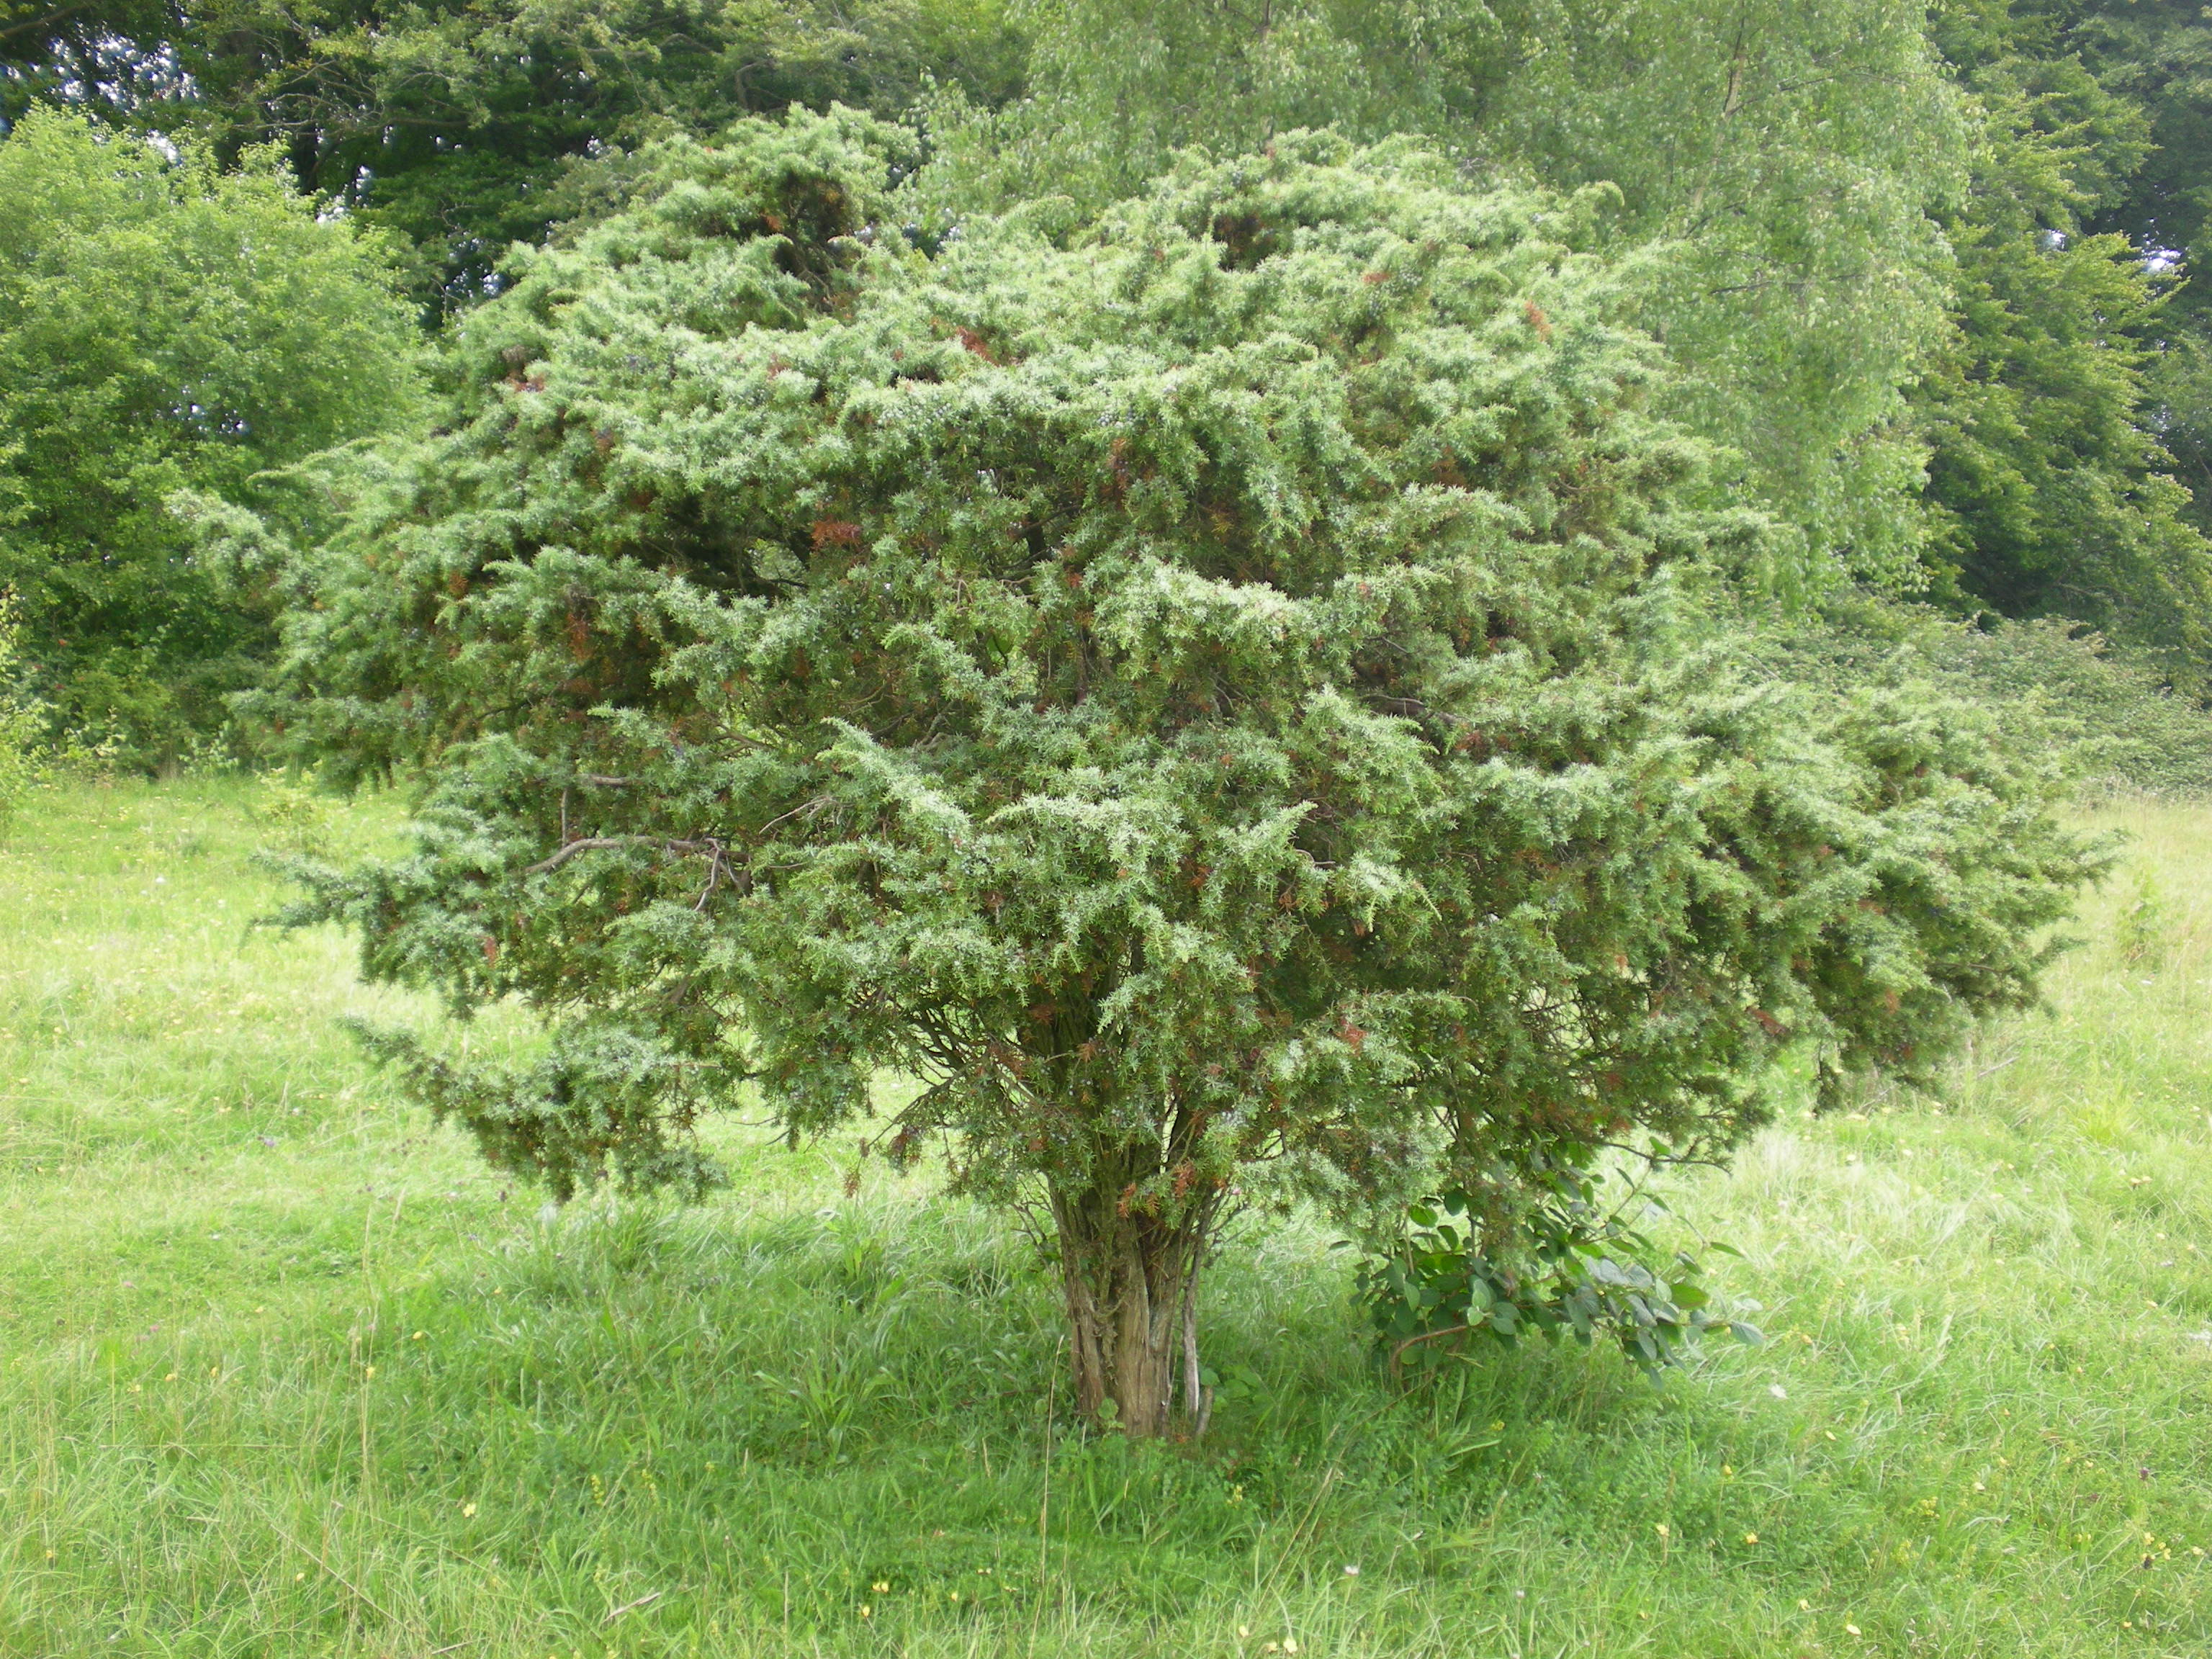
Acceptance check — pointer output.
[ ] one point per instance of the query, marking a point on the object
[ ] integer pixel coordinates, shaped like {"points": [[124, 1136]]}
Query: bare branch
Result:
{"points": [[820, 803], [1397, 1354], [596, 843]]}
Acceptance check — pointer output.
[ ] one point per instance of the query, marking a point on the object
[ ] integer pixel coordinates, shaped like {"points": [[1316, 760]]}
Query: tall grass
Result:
{"points": [[283, 1373]]}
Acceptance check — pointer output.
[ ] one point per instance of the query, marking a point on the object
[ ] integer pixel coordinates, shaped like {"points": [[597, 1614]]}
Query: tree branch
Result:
{"points": [[8, 31], [595, 843], [1397, 1354]]}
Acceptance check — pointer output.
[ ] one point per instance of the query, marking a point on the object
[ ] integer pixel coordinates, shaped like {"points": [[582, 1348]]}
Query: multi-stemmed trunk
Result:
{"points": [[1130, 1277]]}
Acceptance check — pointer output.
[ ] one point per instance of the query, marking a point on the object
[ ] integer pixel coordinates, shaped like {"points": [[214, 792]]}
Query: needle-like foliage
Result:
{"points": [[1224, 685]]}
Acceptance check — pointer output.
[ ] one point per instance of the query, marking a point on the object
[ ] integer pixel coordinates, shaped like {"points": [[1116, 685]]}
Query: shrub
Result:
{"points": [[1225, 697], [1578, 1268]]}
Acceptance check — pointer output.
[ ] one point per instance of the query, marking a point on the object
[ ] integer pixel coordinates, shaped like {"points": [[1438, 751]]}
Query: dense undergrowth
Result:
{"points": [[283, 1374]]}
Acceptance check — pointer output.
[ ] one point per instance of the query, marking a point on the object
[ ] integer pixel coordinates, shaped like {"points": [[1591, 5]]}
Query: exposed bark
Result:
{"points": [[1128, 1277], [1197, 1397]]}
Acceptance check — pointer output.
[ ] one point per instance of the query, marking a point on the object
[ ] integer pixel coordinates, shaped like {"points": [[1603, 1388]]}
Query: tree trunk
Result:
{"points": [[1126, 1276]]}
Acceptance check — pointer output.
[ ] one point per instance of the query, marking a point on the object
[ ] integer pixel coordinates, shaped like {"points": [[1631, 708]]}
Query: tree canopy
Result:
{"points": [[1922, 273], [1777, 168], [1877, 235], [2051, 487], [1212, 689], [460, 125]]}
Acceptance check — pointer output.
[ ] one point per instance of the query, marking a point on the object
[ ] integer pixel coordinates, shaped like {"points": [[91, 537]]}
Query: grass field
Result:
{"points": [[282, 1372]]}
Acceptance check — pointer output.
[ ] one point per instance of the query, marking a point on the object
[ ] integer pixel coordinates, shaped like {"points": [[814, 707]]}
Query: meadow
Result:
{"points": [[284, 1372]]}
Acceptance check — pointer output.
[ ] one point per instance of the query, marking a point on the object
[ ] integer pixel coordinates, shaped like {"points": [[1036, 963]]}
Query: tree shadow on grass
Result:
{"points": [[869, 1394]]}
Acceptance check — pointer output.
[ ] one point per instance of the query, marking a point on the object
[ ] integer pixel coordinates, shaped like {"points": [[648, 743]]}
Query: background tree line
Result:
{"points": [[1923, 269]]}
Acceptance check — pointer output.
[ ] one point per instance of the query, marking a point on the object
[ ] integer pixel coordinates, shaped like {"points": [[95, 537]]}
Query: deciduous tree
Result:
{"points": [[164, 326]]}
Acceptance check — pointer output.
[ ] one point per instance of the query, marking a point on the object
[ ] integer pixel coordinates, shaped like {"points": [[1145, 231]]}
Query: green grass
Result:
{"points": [[283, 1372]]}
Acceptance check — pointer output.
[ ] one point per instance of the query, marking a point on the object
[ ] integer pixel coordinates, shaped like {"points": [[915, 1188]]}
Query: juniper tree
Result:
{"points": [[1225, 683]]}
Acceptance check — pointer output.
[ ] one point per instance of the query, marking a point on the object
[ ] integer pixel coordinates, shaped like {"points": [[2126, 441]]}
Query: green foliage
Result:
{"points": [[1205, 692], [1774, 165], [2178, 408], [163, 326], [2110, 718], [1847, 247], [1578, 1269], [41, 42], [1781, 162], [1115, 88], [464, 125], [2159, 59], [1896, 254], [2049, 484], [2127, 729], [23, 762]]}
